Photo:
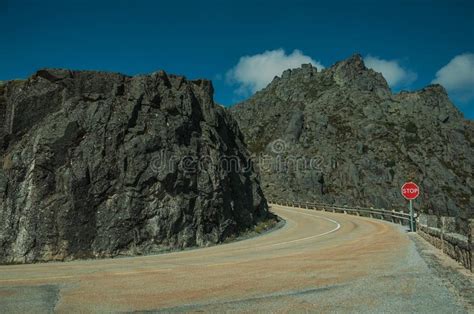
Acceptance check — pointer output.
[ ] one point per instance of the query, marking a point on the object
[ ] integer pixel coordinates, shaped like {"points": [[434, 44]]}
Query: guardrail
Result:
{"points": [[458, 247], [389, 215]]}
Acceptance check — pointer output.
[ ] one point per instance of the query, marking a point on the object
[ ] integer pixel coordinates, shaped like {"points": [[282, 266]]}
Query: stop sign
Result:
{"points": [[410, 191]]}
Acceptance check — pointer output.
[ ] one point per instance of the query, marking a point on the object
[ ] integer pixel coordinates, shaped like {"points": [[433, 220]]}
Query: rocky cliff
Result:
{"points": [[340, 136], [97, 164]]}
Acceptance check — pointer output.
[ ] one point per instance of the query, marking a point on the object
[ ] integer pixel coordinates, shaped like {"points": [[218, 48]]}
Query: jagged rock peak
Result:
{"points": [[436, 88], [355, 61], [352, 72], [296, 84]]}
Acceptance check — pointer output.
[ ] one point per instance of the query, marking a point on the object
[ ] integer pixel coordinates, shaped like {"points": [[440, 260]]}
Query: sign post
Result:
{"points": [[410, 191]]}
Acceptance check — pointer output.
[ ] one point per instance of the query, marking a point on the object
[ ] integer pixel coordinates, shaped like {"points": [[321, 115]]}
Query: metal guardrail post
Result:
{"points": [[412, 224], [470, 240]]}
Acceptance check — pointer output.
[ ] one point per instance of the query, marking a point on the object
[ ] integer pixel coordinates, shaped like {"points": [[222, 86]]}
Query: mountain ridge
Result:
{"points": [[370, 139]]}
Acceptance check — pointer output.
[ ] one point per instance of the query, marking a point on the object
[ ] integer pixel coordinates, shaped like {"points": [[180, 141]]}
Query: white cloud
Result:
{"points": [[391, 70], [458, 76], [253, 73]]}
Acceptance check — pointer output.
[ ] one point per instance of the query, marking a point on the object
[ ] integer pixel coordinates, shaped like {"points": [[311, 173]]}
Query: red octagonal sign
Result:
{"points": [[410, 191]]}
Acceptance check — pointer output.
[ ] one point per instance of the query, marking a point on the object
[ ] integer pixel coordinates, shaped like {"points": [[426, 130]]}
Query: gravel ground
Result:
{"points": [[454, 276], [28, 299]]}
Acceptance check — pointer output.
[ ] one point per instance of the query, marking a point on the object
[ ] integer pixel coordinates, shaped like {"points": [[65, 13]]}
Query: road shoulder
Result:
{"points": [[457, 279]]}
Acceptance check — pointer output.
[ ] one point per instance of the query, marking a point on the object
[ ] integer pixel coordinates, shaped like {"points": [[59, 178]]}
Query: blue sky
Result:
{"points": [[208, 38]]}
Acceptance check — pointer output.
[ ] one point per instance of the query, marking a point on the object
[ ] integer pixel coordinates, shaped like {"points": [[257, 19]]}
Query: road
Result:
{"points": [[317, 262]]}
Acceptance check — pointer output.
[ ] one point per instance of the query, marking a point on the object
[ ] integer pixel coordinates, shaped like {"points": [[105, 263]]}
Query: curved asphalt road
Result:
{"points": [[318, 262]]}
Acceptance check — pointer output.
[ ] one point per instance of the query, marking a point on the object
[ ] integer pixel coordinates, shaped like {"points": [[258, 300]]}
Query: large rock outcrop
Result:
{"points": [[360, 142], [97, 164]]}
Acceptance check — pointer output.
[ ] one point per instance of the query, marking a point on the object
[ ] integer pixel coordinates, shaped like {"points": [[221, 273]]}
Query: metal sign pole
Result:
{"points": [[411, 217]]}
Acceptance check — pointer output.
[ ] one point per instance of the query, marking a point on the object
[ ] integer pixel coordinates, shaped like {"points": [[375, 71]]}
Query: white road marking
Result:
{"points": [[338, 226]]}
